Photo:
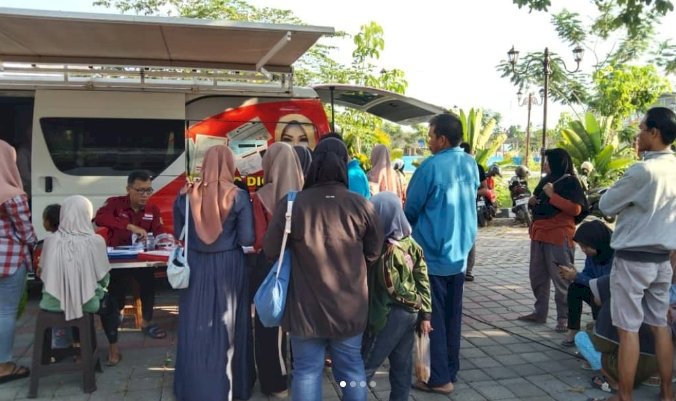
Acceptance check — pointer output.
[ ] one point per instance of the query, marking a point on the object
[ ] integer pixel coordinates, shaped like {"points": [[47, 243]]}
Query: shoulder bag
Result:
{"points": [[270, 299]]}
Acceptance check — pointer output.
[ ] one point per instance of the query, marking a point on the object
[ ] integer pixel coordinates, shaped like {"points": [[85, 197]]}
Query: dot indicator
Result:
{"points": [[372, 384], [342, 384], [353, 384], [362, 384]]}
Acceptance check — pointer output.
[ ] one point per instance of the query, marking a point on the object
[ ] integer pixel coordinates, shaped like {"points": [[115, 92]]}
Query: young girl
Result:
{"points": [[593, 238], [399, 297]]}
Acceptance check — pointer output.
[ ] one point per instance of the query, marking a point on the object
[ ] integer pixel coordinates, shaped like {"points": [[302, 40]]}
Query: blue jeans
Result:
{"points": [[11, 290], [308, 366], [446, 321], [395, 341]]}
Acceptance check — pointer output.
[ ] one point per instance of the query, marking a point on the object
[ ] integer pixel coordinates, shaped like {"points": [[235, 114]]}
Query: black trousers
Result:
{"points": [[120, 285], [578, 293], [269, 342], [471, 258]]}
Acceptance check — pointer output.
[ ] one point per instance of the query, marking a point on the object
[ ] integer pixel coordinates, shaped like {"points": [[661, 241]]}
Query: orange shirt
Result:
{"points": [[560, 228]]}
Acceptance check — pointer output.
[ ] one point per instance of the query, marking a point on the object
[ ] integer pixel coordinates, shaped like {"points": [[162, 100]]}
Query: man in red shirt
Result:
{"points": [[126, 218]]}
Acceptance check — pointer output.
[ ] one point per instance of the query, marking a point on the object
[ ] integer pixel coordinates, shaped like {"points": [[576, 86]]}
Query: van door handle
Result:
{"points": [[49, 184]]}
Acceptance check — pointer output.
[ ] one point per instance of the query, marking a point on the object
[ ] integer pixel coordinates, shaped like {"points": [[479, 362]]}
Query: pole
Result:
{"points": [[545, 65], [333, 110], [530, 99]]}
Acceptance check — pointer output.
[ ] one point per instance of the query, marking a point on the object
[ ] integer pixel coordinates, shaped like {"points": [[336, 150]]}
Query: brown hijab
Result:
{"points": [[382, 176], [213, 196], [282, 173], [10, 180]]}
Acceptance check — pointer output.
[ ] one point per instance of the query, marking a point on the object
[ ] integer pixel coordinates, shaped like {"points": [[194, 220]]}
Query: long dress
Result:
{"points": [[214, 354]]}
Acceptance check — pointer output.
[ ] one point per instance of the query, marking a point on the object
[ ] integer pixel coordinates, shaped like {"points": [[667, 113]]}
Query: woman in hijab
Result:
{"points": [[17, 237], [382, 176], [74, 266], [304, 156], [334, 234], [556, 201], [213, 354], [399, 297], [593, 237], [282, 173]]}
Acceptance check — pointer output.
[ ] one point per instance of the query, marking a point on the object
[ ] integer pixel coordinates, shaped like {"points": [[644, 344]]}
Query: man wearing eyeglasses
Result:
{"points": [[129, 219]]}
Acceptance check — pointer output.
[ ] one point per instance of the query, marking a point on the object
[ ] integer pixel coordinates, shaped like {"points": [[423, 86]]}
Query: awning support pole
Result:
{"points": [[333, 111], [271, 53]]}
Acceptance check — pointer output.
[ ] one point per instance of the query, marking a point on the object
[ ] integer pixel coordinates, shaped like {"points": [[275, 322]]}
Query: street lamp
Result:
{"points": [[530, 100], [513, 55]]}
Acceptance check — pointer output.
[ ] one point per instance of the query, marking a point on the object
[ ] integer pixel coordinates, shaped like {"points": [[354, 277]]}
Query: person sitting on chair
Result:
{"points": [[129, 219]]}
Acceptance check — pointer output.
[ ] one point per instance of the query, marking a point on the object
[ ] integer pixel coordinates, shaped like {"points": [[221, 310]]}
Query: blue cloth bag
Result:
{"points": [[270, 299]]}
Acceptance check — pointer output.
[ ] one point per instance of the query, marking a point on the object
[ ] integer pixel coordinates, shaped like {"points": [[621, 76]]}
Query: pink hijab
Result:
{"points": [[10, 180], [213, 196], [382, 176], [282, 173]]}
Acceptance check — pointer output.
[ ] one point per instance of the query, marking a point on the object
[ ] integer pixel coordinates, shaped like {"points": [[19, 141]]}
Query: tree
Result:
{"points": [[483, 142], [625, 89], [589, 140], [636, 16]]}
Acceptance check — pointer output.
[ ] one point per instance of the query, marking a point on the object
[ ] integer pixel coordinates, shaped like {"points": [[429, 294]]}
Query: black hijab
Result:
{"points": [[595, 234], [329, 163], [305, 157], [565, 183]]}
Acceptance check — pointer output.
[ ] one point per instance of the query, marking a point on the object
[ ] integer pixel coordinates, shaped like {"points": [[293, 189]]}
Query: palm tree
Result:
{"points": [[480, 138]]}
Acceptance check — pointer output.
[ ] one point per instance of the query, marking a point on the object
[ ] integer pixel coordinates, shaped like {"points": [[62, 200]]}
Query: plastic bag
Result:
{"points": [[422, 357]]}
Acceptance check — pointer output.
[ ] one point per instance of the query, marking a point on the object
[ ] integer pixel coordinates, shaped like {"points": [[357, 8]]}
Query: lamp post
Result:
{"points": [[530, 100], [513, 55]]}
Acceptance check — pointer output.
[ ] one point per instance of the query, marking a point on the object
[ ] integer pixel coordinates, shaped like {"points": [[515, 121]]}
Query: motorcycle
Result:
{"points": [[594, 196], [518, 189], [484, 211]]}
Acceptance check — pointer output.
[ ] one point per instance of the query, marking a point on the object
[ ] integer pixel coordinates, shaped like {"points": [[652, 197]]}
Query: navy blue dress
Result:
{"points": [[214, 354]]}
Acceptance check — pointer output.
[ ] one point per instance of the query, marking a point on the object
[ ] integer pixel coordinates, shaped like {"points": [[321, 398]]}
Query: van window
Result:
{"points": [[112, 146]]}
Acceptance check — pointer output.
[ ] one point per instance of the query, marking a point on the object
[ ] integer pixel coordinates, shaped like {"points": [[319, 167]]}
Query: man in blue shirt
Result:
{"points": [[441, 207]]}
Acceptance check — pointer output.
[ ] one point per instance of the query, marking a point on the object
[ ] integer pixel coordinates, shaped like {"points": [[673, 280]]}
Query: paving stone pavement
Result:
{"points": [[501, 358]]}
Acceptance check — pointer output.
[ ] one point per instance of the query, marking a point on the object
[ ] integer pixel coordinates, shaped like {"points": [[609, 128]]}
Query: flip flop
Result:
{"points": [[603, 386], [154, 331], [568, 343], [19, 372], [418, 385], [110, 363]]}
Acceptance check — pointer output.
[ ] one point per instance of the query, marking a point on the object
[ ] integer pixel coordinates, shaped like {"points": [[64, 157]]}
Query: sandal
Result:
{"points": [[601, 383], [18, 372], [568, 343], [418, 385], [586, 366], [114, 363], [561, 326], [154, 331], [531, 318]]}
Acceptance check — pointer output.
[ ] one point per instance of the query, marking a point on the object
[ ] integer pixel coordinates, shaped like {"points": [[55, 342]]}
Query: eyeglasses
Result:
{"points": [[144, 191]]}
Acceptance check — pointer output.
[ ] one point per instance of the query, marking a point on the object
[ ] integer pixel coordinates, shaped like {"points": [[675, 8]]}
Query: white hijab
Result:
{"points": [[74, 259]]}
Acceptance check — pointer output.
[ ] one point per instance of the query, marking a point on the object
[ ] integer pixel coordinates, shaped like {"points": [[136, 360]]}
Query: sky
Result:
{"points": [[448, 50]]}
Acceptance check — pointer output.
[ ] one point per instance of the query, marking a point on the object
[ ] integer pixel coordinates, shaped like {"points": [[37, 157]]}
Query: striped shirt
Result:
{"points": [[16, 235]]}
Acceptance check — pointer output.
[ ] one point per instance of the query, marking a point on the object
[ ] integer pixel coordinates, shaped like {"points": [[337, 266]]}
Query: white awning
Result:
{"points": [[36, 36]]}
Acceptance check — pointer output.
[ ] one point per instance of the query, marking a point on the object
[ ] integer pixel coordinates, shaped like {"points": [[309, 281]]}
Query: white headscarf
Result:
{"points": [[74, 259]]}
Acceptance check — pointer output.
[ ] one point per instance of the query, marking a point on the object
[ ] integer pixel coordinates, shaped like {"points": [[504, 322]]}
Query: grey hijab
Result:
{"points": [[391, 215]]}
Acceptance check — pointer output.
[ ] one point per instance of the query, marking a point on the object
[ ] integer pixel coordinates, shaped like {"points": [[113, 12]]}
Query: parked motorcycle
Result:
{"points": [[594, 196], [485, 211], [520, 193]]}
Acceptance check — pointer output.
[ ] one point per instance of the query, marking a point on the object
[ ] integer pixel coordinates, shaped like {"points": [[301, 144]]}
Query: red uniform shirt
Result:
{"points": [[117, 213]]}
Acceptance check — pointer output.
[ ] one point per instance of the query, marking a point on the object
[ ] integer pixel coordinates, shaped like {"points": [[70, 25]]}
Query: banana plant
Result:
{"points": [[593, 140], [480, 138]]}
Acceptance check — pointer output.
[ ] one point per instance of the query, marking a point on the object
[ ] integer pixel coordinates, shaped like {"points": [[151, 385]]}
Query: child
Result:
{"points": [[50, 217], [399, 297], [593, 238]]}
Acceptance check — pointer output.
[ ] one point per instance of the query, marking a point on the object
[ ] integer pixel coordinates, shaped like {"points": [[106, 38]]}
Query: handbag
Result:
{"points": [[178, 271], [270, 299]]}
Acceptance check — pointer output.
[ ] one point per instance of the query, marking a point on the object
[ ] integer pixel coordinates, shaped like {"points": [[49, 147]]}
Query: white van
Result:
{"points": [[87, 98]]}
